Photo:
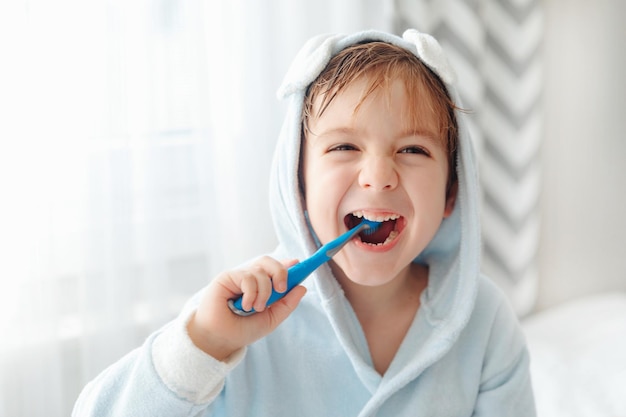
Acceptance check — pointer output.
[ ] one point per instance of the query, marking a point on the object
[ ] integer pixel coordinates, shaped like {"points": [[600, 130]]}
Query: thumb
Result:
{"points": [[281, 309]]}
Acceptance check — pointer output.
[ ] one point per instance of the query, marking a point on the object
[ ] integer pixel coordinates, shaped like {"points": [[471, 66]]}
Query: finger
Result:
{"points": [[268, 263], [279, 279], [264, 288], [289, 262], [255, 282], [249, 290], [282, 308], [277, 271]]}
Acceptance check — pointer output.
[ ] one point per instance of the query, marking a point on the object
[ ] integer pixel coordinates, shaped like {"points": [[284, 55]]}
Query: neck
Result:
{"points": [[386, 311]]}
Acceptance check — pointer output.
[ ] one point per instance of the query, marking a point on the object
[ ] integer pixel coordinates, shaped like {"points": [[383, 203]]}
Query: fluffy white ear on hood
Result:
{"points": [[431, 54], [308, 64]]}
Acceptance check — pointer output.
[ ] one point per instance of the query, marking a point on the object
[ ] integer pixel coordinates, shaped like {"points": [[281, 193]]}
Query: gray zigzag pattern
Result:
{"points": [[519, 12], [444, 32], [506, 269], [517, 67], [517, 119], [496, 157], [469, 59], [517, 225]]}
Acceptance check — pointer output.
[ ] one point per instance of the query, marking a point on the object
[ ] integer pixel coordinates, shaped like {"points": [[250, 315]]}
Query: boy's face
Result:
{"points": [[373, 163]]}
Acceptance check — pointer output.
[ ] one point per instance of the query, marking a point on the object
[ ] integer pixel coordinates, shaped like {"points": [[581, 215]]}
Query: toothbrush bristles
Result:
{"points": [[372, 226]]}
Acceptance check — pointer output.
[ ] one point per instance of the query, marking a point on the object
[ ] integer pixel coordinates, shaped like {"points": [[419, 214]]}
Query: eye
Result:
{"points": [[342, 147], [415, 150]]}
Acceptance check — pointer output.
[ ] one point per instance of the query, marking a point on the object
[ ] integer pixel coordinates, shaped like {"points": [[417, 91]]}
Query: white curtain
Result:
{"points": [[135, 143]]}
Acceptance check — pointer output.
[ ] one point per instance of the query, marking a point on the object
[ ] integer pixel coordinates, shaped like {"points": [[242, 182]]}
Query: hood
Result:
{"points": [[453, 255]]}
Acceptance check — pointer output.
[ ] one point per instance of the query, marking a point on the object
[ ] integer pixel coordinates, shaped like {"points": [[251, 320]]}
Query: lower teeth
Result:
{"points": [[391, 237]]}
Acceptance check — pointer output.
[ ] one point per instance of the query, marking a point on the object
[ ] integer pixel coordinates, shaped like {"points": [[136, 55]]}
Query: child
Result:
{"points": [[399, 322]]}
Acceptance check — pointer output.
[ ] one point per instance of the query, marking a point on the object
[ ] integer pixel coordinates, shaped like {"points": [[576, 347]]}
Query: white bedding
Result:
{"points": [[578, 357]]}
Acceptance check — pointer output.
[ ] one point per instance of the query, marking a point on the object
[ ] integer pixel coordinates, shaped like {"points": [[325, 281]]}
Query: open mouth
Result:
{"points": [[386, 233]]}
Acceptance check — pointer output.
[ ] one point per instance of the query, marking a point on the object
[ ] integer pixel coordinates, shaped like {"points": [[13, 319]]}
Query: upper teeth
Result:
{"points": [[381, 218]]}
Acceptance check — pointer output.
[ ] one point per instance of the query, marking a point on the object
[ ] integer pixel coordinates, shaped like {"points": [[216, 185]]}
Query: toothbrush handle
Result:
{"points": [[295, 275], [298, 272]]}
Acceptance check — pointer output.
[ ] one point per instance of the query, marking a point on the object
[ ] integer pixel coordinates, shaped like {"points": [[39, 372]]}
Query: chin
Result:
{"points": [[365, 275]]}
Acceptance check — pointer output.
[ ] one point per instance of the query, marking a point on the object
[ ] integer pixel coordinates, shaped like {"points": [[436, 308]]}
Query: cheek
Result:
{"points": [[325, 187], [321, 178], [428, 191], [313, 182], [321, 189]]}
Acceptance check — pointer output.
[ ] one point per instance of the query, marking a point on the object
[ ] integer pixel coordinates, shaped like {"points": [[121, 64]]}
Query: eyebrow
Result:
{"points": [[336, 130], [423, 133]]}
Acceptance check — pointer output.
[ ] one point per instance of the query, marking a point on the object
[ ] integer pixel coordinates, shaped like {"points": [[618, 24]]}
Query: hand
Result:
{"points": [[218, 331]]}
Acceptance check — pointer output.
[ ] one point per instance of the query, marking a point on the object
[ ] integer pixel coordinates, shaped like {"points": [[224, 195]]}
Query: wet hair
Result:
{"points": [[380, 64]]}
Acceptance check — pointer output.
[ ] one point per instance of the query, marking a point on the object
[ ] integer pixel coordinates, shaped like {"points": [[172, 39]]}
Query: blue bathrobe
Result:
{"points": [[464, 354]]}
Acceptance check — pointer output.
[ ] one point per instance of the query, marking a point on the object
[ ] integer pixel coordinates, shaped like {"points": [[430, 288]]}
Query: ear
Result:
{"points": [[451, 199]]}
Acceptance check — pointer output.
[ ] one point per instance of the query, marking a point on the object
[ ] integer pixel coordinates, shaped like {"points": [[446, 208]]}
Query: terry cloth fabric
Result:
{"points": [[464, 353]]}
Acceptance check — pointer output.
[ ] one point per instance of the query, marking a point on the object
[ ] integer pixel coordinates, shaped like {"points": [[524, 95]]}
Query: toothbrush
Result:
{"points": [[298, 272]]}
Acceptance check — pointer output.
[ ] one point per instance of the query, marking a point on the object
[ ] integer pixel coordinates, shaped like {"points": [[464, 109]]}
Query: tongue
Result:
{"points": [[380, 235]]}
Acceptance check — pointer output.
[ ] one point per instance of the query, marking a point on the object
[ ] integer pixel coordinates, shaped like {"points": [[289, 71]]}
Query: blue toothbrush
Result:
{"points": [[298, 272]]}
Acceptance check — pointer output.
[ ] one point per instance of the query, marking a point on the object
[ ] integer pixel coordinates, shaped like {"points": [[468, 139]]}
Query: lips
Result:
{"points": [[385, 234]]}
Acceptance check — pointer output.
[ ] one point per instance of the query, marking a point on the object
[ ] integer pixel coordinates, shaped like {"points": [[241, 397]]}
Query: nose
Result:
{"points": [[378, 173]]}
